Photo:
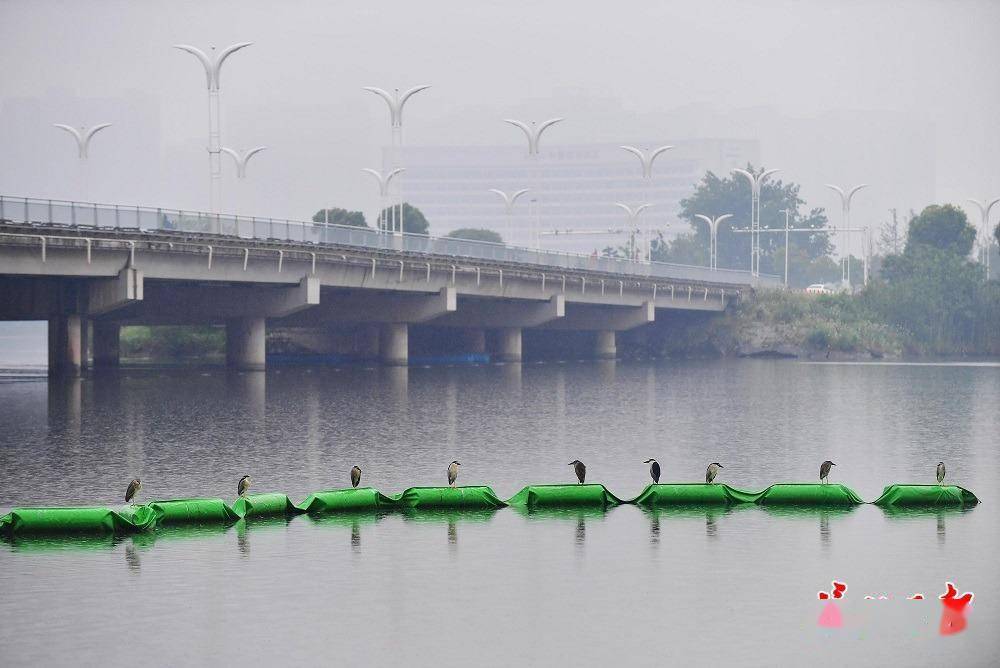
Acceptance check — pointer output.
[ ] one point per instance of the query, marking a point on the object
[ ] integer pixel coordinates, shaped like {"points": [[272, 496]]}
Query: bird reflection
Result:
{"points": [[242, 538], [711, 527], [940, 528], [355, 536], [452, 532], [654, 529], [132, 558], [581, 530], [824, 529]]}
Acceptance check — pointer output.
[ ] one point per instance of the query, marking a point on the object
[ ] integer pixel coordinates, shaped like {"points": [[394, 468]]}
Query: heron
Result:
{"points": [[136, 485], [824, 470], [355, 476], [453, 472], [940, 473], [244, 485], [654, 470], [580, 469], [712, 471]]}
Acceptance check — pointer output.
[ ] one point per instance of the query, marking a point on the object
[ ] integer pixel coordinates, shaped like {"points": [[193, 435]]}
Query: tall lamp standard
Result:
{"points": [[845, 205], [384, 182], [396, 102], [508, 202], [984, 212], [83, 135], [633, 216], [241, 158], [213, 65], [646, 160], [756, 181], [713, 239], [533, 133]]}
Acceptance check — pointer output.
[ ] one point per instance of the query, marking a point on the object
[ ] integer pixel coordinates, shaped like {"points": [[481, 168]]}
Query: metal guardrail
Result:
{"points": [[62, 212]]}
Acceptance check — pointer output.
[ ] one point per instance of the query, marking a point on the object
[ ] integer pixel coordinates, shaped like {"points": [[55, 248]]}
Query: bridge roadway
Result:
{"points": [[88, 281]]}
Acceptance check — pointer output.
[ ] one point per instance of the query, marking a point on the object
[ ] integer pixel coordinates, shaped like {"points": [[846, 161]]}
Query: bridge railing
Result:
{"points": [[62, 212]]}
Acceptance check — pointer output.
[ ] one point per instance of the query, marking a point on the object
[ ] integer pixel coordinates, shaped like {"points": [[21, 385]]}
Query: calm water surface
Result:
{"points": [[625, 587]]}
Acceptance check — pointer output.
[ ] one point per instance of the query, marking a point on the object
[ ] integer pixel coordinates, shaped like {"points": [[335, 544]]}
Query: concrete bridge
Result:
{"points": [[89, 269]]}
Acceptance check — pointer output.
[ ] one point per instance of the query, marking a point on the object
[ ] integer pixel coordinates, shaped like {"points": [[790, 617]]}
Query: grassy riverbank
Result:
{"points": [[166, 343]]}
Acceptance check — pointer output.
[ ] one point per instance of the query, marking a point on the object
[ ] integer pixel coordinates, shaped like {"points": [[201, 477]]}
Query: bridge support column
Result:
{"points": [[394, 344], [106, 343], [605, 348], [509, 344], [245, 344], [65, 345], [475, 341]]}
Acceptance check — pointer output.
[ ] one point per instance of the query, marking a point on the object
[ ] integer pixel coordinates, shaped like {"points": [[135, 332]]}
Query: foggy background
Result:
{"points": [[901, 95]]}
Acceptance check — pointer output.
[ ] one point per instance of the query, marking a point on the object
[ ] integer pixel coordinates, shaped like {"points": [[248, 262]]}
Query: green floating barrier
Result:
{"points": [[564, 496], [448, 498], [265, 505], [692, 494], [339, 500], [808, 494], [192, 511], [73, 521], [926, 496]]}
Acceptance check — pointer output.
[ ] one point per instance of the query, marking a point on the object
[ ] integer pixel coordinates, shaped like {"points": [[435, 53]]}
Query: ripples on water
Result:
{"points": [[626, 586]]}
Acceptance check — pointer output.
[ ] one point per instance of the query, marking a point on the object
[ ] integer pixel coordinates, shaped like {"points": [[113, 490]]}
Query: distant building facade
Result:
{"points": [[573, 187]]}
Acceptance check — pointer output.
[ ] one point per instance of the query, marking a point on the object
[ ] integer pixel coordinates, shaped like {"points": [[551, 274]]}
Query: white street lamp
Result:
{"points": [[633, 215], [384, 182], [845, 204], [241, 157], [396, 102], [713, 239], [984, 212], [756, 181], [533, 133], [213, 66], [508, 202], [646, 160], [82, 135]]}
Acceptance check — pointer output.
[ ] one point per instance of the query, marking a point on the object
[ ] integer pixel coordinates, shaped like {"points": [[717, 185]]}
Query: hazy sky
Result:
{"points": [[820, 84]]}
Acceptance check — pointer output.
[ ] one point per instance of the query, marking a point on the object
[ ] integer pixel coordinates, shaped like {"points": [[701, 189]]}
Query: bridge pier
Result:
{"points": [[106, 344], [605, 347], [394, 344], [509, 344], [245, 344], [65, 345]]}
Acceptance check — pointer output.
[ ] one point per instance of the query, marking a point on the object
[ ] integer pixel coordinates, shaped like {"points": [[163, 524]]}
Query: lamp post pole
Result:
{"points": [[713, 239], [213, 64], [786, 212], [984, 212], [241, 158], [384, 182], [646, 160], [83, 135], [633, 217], [845, 204], [508, 202], [756, 181], [533, 133], [396, 102]]}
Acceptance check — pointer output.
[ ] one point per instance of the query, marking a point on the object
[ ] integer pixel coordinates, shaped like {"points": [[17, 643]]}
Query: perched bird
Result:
{"points": [[824, 470], [136, 485], [453, 472], [940, 473], [580, 469], [244, 486], [355, 475], [712, 471], [654, 469]]}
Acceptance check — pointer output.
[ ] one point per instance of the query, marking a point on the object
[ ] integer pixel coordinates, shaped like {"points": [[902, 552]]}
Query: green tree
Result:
{"points": [[476, 234], [716, 196], [944, 227], [414, 221], [340, 217]]}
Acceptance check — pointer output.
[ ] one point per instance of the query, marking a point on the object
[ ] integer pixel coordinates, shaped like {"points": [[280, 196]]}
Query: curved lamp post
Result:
{"points": [[646, 159], [213, 66], [82, 135], [713, 242], [396, 102], [384, 182], [533, 133], [756, 181], [845, 206], [633, 215], [241, 158], [508, 203], [984, 212]]}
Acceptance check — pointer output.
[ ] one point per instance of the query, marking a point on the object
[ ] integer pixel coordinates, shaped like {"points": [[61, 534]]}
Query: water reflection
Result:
{"points": [[132, 558], [581, 531], [356, 536]]}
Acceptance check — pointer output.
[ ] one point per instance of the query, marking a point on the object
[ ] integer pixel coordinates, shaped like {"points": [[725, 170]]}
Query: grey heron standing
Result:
{"points": [[712, 471], [654, 470], [824, 470], [939, 472], [453, 472], [244, 485], [355, 475], [580, 469], [136, 485]]}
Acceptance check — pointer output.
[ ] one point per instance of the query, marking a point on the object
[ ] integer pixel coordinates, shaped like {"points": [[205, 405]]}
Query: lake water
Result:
{"points": [[625, 587]]}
